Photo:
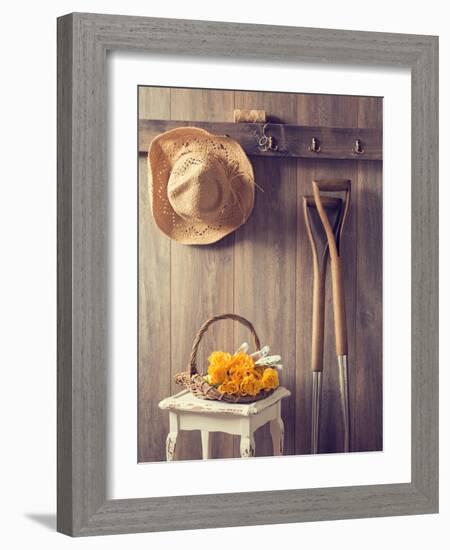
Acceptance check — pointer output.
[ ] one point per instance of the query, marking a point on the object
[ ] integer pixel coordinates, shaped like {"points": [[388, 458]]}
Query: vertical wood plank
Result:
{"points": [[201, 277], [154, 303], [336, 111], [368, 421], [304, 278], [265, 253], [154, 101], [370, 112]]}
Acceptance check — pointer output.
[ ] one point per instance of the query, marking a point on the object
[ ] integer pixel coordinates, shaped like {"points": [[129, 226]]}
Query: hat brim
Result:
{"points": [[165, 150]]}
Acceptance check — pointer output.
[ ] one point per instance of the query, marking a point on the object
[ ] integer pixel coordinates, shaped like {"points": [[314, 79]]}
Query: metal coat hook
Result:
{"points": [[265, 142], [358, 148], [315, 145]]}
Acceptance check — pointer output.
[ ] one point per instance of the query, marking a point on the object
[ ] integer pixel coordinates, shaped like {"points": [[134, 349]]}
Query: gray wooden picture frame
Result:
{"points": [[83, 310]]}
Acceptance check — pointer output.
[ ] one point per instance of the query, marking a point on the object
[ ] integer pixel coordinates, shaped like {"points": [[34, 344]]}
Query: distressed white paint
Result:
{"points": [[187, 412], [185, 401]]}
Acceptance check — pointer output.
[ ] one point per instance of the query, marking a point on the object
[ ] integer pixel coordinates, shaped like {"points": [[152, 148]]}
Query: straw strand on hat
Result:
{"points": [[233, 172]]}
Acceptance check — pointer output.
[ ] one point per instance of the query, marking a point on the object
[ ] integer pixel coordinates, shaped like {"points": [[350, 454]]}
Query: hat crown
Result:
{"points": [[201, 185], [198, 186]]}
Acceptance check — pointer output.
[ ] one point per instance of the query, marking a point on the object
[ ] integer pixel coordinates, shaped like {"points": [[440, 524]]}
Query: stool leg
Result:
{"points": [[247, 446], [206, 444], [247, 439], [277, 433], [171, 441]]}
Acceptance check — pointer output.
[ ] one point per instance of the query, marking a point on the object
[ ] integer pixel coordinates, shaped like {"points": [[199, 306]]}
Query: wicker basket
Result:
{"points": [[197, 385]]}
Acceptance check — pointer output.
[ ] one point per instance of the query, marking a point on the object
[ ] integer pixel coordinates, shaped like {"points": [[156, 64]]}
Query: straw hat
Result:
{"points": [[201, 185]]}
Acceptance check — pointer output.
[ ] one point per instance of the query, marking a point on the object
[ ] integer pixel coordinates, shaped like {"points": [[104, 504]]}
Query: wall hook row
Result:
{"points": [[315, 146]]}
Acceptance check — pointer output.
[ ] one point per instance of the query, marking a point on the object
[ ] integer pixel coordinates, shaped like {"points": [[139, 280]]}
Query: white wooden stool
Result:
{"points": [[187, 412]]}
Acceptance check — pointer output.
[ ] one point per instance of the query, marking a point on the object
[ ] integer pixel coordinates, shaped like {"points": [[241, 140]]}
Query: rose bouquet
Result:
{"points": [[242, 374], [233, 378]]}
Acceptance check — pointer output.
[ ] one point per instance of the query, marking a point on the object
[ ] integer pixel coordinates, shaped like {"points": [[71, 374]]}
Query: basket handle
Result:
{"points": [[204, 328]]}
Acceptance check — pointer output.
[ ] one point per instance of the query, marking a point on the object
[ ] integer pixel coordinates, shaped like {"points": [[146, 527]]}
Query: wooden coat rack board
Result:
{"points": [[290, 140]]}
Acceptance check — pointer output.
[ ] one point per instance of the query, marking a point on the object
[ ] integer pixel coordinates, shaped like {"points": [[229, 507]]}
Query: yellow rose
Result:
{"points": [[219, 358], [218, 366], [229, 387], [241, 363], [217, 373], [259, 371], [270, 379], [250, 386], [236, 377]]}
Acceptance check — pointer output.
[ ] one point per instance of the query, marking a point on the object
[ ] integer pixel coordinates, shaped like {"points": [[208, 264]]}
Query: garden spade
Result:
{"points": [[334, 237], [319, 261]]}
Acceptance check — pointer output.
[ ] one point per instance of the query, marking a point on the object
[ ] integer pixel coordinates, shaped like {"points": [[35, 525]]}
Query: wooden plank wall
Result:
{"points": [[263, 271]]}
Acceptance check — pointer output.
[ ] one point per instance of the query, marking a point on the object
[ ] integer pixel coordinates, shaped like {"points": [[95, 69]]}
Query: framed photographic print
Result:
{"points": [[247, 274]]}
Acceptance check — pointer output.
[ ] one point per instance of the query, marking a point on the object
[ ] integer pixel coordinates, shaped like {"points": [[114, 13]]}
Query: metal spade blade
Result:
{"points": [[345, 401], [316, 404]]}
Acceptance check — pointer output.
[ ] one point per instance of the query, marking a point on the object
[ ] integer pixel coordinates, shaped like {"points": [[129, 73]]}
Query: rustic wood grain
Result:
{"points": [[370, 113], [265, 253], [336, 111], [65, 449], [368, 385], [154, 381], [291, 140], [201, 277], [303, 299]]}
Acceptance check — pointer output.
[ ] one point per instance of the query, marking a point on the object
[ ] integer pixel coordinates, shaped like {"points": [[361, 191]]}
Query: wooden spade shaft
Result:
{"points": [[337, 283], [318, 311]]}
